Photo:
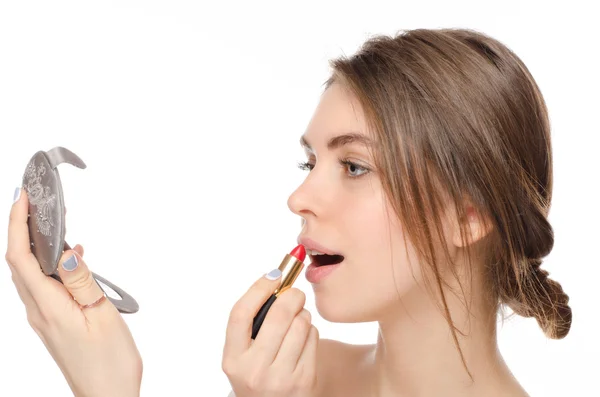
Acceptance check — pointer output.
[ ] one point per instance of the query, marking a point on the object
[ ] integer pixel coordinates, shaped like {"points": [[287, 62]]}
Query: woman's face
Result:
{"points": [[346, 212]]}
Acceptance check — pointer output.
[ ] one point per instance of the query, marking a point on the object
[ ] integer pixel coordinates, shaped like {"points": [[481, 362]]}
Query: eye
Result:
{"points": [[354, 170], [306, 166]]}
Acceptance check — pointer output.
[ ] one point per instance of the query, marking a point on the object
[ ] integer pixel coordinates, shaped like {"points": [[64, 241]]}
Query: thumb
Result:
{"points": [[78, 279]]}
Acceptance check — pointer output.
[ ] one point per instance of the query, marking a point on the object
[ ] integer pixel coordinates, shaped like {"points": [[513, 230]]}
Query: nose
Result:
{"points": [[301, 201]]}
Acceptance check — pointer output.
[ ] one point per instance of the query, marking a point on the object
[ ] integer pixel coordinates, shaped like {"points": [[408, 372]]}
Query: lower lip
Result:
{"points": [[315, 274]]}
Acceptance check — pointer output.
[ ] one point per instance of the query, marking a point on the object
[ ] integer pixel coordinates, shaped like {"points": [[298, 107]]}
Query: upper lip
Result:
{"points": [[312, 245]]}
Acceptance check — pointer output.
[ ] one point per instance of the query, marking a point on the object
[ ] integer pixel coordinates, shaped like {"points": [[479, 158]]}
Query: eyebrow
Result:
{"points": [[341, 140]]}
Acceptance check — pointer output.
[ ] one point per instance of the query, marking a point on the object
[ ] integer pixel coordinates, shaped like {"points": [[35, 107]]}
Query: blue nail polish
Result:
{"points": [[70, 264], [273, 274], [17, 194]]}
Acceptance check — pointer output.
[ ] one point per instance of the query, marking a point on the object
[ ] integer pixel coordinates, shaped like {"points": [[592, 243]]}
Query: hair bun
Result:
{"points": [[553, 314]]}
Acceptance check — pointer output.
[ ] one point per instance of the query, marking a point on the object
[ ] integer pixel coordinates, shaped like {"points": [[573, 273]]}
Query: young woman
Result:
{"points": [[429, 188], [425, 209]]}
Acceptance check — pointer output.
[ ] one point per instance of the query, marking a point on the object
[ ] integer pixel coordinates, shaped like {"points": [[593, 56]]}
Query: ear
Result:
{"points": [[474, 225]]}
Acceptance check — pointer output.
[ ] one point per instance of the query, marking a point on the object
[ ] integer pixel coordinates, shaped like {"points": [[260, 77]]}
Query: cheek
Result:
{"points": [[380, 245], [391, 263], [378, 271], [367, 220]]}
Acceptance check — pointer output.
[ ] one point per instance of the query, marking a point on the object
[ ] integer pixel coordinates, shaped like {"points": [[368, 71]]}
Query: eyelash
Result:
{"points": [[307, 166]]}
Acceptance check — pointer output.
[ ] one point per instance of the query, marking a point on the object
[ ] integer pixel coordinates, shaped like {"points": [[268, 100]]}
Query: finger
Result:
{"points": [[24, 294], [307, 364], [18, 253], [79, 281], [18, 231], [34, 317], [293, 344], [22, 290], [277, 323], [239, 326], [79, 249]]}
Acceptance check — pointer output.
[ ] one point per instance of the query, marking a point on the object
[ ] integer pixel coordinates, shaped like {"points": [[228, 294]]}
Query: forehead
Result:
{"points": [[338, 112]]}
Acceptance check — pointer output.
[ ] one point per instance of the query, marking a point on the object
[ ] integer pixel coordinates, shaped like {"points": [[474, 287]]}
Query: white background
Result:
{"points": [[188, 116]]}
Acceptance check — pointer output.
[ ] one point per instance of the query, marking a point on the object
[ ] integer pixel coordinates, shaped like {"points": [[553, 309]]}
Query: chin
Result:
{"points": [[341, 311], [360, 306]]}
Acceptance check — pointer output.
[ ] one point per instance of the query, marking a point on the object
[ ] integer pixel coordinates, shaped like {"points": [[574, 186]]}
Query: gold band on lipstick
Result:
{"points": [[290, 270]]}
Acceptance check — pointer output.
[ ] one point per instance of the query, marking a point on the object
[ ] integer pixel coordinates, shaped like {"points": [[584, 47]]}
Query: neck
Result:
{"points": [[416, 354]]}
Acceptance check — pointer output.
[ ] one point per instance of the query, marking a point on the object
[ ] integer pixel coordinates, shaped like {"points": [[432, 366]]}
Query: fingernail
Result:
{"points": [[70, 264], [17, 195], [273, 274]]}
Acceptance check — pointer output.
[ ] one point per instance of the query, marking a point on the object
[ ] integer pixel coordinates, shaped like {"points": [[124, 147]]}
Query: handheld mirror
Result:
{"points": [[47, 218]]}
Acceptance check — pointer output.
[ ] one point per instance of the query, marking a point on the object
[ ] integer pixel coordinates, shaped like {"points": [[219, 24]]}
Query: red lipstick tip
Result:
{"points": [[299, 253]]}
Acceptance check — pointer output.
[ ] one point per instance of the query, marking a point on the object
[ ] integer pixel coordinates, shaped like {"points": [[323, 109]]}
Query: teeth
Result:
{"points": [[314, 252]]}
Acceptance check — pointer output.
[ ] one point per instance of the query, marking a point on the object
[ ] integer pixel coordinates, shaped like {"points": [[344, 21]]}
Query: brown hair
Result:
{"points": [[458, 107]]}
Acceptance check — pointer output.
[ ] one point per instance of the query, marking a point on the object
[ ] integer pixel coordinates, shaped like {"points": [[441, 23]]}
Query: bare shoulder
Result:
{"points": [[341, 366]]}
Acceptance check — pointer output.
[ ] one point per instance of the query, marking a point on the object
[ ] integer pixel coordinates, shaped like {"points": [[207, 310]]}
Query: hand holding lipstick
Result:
{"points": [[281, 360]]}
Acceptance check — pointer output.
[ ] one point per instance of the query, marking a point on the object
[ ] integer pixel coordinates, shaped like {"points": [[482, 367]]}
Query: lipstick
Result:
{"points": [[290, 267]]}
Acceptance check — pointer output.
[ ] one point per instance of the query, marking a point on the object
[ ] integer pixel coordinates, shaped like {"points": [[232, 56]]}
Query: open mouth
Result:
{"points": [[325, 260]]}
